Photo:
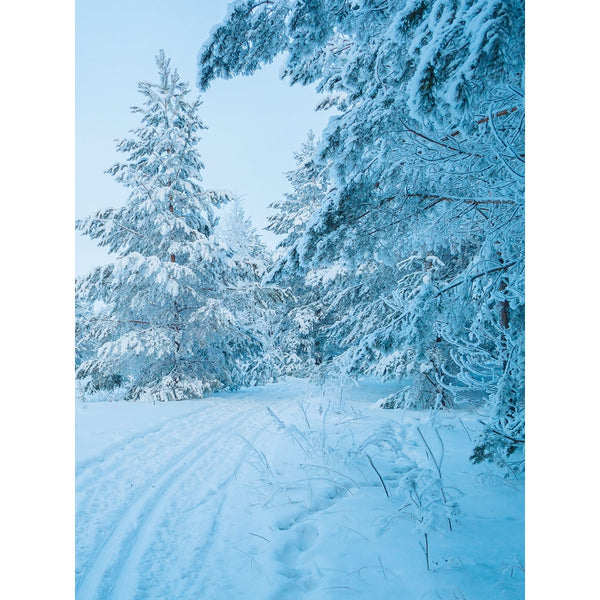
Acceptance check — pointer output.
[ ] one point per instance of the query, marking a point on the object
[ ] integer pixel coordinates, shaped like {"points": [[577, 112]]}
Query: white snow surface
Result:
{"points": [[268, 493]]}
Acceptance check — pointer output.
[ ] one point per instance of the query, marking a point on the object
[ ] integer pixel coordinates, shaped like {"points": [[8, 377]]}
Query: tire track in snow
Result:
{"points": [[107, 562]]}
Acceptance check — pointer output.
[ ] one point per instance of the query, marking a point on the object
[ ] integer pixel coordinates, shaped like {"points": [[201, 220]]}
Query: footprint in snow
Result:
{"points": [[304, 537]]}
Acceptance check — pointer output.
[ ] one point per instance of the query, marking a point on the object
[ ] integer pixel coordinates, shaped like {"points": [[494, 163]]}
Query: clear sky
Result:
{"points": [[255, 123]]}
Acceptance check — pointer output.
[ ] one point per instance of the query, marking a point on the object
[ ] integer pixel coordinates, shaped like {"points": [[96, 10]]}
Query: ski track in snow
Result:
{"points": [[110, 569], [122, 476], [87, 468]]}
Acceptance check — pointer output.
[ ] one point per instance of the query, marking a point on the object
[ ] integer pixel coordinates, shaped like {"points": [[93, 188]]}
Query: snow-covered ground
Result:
{"points": [[292, 490]]}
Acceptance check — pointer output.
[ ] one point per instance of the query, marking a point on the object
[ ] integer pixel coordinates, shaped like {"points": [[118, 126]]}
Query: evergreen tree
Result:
{"points": [[258, 303], [301, 326], [310, 182], [169, 330]]}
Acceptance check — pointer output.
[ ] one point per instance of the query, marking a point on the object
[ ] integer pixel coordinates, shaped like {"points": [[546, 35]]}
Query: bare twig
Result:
{"points": [[379, 475], [464, 427], [259, 536], [382, 569], [303, 409]]}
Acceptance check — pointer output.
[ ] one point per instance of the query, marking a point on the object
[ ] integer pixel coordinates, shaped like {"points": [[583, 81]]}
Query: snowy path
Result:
{"points": [[128, 492], [220, 499]]}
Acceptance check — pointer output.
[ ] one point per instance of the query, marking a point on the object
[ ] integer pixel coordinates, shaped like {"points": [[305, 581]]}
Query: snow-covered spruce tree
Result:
{"points": [[391, 329], [426, 158], [257, 308], [301, 326], [309, 181], [237, 233], [169, 330]]}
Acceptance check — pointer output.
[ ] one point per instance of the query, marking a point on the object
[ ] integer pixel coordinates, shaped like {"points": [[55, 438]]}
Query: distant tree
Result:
{"points": [[301, 325], [258, 303], [169, 329], [238, 234]]}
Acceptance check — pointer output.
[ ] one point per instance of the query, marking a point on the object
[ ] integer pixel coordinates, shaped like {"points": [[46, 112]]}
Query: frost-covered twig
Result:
{"points": [[266, 467], [305, 466], [303, 409], [438, 465]]}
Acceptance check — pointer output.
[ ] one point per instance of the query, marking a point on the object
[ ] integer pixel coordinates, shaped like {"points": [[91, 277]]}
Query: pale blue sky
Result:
{"points": [[255, 123]]}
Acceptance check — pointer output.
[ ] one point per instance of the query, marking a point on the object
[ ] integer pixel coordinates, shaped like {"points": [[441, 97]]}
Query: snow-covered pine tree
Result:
{"points": [[169, 329], [426, 159], [258, 303], [301, 326], [310, 182], [238, 234]]}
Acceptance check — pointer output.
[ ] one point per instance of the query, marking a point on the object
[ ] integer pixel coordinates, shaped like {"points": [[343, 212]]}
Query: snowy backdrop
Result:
{"points": [[342, 415]]}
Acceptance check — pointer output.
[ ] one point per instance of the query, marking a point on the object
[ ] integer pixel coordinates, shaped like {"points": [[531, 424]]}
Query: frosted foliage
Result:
{"points": [[238, 235], [309, 181], [415, 246], [301, 322], [258, 303], [169, 327]]}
